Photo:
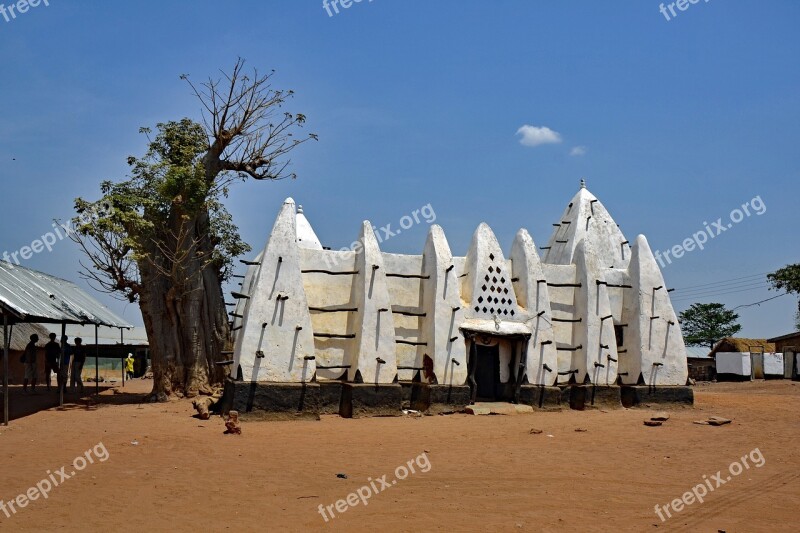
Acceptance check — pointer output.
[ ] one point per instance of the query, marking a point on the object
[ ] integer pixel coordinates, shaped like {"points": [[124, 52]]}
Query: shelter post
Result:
{"points": [[61, 370], [5, 368], [96, 362]]}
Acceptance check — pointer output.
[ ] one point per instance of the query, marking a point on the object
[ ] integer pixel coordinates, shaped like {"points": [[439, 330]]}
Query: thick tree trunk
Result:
{"points": [[185, 319]]}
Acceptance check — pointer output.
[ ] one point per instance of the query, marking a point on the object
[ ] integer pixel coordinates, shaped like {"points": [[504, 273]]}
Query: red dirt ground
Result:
{"points": [[486, 473]]}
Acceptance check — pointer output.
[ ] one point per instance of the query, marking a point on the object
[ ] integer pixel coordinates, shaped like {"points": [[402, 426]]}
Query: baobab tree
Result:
{"points": [[168, 242]]}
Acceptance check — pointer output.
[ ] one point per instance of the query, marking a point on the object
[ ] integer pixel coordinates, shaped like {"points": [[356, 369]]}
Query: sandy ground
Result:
{"points": [[166, 470]]}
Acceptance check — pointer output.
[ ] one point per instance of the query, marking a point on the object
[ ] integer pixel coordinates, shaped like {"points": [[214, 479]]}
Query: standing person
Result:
{"points": [[29, 358], [78, 359], [63, 373], [51, 352], [129, 366]]}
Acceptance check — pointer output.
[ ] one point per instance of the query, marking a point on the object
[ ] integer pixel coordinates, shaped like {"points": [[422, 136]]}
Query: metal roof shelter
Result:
{"points": [[30, 296]]}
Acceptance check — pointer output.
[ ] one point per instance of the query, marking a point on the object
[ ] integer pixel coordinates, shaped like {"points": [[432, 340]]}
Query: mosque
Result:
{"points": [[584, 321]]}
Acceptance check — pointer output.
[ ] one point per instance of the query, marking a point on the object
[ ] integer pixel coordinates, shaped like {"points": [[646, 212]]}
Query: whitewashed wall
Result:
{"points": [[773, 364], [737, 363], [390, 310]]}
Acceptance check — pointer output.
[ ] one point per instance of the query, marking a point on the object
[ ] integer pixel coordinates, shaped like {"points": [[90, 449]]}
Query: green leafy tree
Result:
{"points": [[787, 279], [168, 242], [706, 324]]}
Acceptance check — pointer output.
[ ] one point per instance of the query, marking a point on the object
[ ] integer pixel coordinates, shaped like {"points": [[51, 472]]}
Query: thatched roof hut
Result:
{"points": [[742, 345], [21, 336]]}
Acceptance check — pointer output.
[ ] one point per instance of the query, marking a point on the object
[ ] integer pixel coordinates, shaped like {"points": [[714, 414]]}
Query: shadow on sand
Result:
{"points": [[22, 404]]}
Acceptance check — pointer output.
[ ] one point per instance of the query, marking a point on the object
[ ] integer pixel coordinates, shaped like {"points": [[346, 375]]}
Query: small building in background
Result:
{"points": [[20, 337], [740, 359], [111, 348], [788, 345], [701, 364]]}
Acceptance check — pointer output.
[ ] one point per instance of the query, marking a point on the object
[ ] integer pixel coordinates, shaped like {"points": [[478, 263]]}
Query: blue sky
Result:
{"points": [[419, 102]]}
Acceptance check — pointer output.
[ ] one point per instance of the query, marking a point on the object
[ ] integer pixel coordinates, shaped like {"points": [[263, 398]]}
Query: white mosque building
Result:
{"points": [[359, 332]]}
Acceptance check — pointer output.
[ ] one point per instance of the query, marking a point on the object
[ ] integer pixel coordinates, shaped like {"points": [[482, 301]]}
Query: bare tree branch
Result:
{"points": [[248, 134]]}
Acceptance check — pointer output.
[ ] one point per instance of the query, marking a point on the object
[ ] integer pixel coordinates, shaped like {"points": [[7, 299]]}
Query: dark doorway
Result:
{"points": [[487, 372]]}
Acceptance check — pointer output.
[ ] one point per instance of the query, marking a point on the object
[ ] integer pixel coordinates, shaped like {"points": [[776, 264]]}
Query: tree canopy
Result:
{"points": [[169, 243], [166, 191], [788, 279], [706, 324]]}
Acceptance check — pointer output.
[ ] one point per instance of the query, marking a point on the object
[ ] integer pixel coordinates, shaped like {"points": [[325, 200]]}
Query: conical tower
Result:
{"points": [[306, 237], [585, 218]]}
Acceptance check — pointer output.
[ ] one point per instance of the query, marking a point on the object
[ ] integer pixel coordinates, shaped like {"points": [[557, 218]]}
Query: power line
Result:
{"points": [[707, 296], [721, 282], [724, 286], [759, 303], [710, 296], [721, 289], [701, 292]]}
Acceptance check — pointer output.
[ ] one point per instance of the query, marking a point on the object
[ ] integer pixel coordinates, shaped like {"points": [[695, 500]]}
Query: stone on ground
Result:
{"points": [[497, 408]]}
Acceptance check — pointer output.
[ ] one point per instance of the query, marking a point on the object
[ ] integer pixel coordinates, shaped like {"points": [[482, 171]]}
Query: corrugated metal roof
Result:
{"points": [[37, 297], [135, 336], [784, 337], [699, 352]]}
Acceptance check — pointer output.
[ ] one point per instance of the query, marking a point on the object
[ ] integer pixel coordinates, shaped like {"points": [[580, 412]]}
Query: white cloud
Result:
{"points": [[536, 135], [578, 151]]}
